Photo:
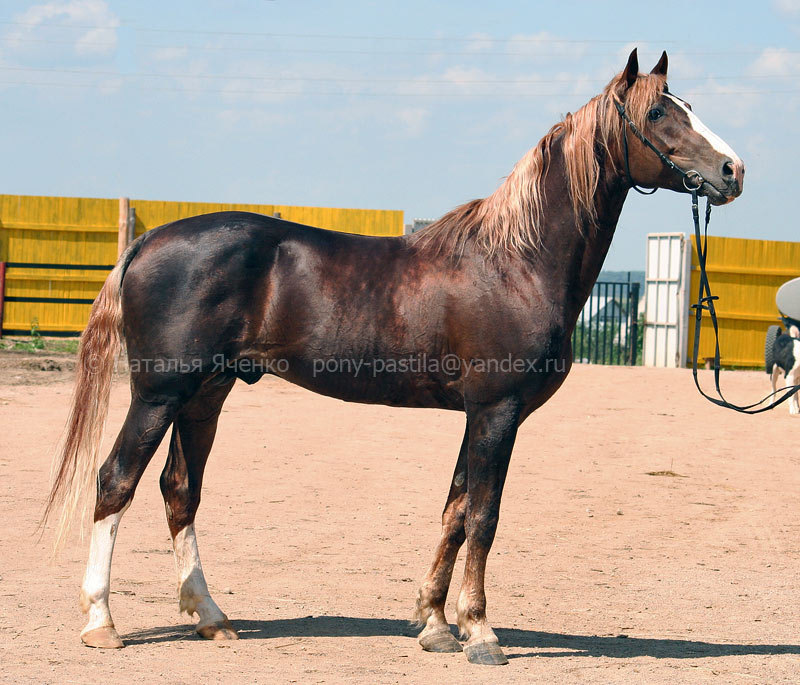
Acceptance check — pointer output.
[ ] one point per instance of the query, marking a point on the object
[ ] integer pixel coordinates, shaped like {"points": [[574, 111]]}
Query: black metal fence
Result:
{"points": [[608, 327]]}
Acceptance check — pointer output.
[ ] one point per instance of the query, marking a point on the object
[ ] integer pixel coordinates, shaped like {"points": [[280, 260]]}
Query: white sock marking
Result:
{"points": [[97, 579], [192, 588]]}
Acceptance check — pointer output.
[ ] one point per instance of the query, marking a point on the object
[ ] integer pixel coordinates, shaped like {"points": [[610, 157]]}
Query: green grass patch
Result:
{"points": [[37, 343]]}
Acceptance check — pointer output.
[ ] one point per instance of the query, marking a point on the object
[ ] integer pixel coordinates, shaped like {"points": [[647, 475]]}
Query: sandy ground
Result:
{"points": [[319, 519]]}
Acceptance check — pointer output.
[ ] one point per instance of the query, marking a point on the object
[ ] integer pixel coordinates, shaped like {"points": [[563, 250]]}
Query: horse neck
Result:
{"points": [[572, 252]]}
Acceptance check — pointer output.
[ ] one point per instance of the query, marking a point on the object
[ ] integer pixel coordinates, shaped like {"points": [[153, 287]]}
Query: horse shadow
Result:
{"points": [[619, 647]]}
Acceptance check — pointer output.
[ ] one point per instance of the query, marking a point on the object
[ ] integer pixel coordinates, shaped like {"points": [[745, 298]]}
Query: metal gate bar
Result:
{"points": [[607, 328]]}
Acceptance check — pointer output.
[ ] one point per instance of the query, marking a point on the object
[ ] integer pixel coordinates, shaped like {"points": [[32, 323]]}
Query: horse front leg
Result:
{"points": [[436, 635], [492, 430]]}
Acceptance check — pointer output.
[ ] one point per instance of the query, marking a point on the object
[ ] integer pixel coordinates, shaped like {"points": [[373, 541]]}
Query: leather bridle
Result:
{"points": [[690, 175], [693, 182]]}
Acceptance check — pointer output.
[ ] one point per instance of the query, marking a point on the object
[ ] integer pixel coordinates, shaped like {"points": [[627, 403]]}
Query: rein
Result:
{"points": [[705, 300]]}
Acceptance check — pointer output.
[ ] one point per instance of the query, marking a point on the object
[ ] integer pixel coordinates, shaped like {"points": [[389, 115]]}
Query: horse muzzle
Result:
{"points": [[725, 185], [733, 178]]}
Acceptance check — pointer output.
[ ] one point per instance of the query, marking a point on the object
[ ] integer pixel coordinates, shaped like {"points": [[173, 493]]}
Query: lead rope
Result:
{"points": [[705, 302]]}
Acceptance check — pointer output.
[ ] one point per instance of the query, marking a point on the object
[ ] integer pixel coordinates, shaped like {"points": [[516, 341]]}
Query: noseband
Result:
{"points": [[693, 181]]}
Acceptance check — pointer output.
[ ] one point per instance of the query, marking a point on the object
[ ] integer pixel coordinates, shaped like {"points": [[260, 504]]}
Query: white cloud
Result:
{"points": [[100, 39], [465, 79], [731, 104], [787, 6], [775, 62], [480, 42], [546, 45]]}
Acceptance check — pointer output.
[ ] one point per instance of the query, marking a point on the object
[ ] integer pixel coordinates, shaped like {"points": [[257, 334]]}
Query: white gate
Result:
{"points": [[667, 300]]}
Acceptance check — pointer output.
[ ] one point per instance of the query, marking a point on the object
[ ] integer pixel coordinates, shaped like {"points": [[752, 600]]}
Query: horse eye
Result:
{"points": [[655, 114]]}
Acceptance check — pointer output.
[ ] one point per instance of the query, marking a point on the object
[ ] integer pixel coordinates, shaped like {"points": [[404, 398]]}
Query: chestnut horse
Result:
{"points": [[474, 314]]}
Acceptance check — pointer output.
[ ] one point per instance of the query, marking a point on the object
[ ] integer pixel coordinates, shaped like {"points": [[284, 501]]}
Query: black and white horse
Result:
{"points": [[786, 360]]}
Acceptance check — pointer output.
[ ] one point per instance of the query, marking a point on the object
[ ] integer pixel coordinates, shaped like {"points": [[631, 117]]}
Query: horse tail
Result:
{"points": [[77, 459]]}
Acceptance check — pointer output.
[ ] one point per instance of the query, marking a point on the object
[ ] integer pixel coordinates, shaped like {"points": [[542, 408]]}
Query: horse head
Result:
{"points": [[670, 147]]}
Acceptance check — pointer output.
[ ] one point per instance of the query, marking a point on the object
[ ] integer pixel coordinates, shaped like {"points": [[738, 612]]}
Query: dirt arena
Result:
{"points": [[319, 519]]}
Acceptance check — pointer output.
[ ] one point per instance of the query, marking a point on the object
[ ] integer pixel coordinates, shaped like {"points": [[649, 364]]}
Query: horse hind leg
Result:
{"points": [[117, 479], [436, 635], [181, 482], [100, 630]]}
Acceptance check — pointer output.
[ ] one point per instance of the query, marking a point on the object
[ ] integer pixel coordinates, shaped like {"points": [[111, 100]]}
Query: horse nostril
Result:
{"points": [[727, 170]]}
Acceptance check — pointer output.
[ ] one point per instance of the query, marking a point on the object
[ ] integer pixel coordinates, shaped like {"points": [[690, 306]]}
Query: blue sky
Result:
{"points": [[418, 106]]}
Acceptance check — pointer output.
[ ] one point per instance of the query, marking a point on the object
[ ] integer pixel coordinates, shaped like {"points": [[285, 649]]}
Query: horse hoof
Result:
{"points": [[219, 630], [105, 637], [442, 641], [485, 653]]}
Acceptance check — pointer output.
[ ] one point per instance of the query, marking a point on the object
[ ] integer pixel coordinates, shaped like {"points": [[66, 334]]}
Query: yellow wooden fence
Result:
{"points": [[73, 230], [745, 274]]}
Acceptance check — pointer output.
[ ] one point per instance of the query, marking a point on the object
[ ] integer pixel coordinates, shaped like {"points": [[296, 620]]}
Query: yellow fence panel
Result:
{"points": [[150, 214], [73, 230], [745, 275]]}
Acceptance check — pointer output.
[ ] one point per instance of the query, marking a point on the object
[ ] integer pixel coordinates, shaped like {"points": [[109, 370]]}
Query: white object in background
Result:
{"points": [[787, 299], [666, 310]]}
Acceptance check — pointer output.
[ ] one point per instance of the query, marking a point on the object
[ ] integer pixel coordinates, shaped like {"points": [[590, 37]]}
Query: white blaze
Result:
{"points": [[713, 139]]}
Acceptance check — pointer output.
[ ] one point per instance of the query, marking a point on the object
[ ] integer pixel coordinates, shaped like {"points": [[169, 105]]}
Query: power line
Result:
{"points": [[311, 93], [371, 53], [39, 24], [437, 53], [460, 39], [15, 39], [285, 50], [450, 39], [323, 79]]}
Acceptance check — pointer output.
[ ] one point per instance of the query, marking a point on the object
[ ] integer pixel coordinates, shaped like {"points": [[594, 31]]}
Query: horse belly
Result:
{"points": [[393, 381]]}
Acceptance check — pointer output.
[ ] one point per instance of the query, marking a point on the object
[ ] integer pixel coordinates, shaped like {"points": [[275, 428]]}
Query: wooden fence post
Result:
{"points": [[131, 224], [122, 236]]}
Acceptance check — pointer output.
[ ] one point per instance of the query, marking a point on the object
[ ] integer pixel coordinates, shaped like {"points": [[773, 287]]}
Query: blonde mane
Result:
{"points": [[511, 218]]}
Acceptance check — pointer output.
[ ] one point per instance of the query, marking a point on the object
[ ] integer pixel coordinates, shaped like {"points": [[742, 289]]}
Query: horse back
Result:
{"points": [[360, 318]]}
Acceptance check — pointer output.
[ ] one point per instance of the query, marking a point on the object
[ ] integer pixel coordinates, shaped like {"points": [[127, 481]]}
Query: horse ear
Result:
{"points": [[631, 71], [661, 68]]}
